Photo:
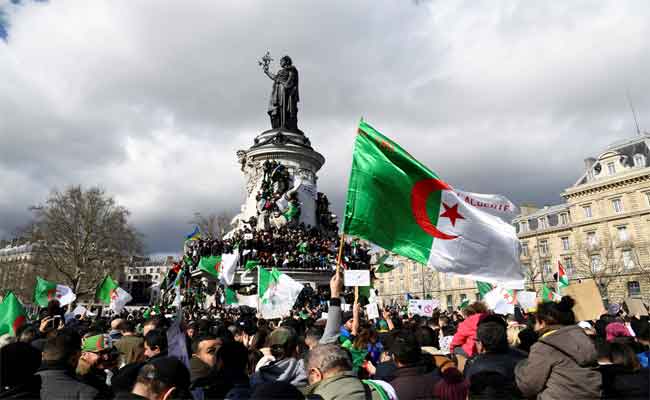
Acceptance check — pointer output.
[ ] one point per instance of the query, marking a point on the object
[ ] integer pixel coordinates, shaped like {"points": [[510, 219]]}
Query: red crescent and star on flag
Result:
{"points": [[419, 195]]}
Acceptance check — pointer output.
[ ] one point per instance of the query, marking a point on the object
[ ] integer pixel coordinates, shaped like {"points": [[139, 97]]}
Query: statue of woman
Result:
{"points": [[283, 105]]}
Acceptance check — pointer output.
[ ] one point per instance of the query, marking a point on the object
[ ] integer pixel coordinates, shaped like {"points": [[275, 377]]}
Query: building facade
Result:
{"points": [[422, 282], [601, 232], [19, 267]]}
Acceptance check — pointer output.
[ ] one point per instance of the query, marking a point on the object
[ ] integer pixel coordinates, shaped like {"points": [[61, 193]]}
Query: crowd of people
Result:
{"points": [[320, 352], [285, 247]]}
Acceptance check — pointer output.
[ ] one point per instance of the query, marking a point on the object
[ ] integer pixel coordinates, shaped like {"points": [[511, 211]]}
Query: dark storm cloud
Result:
{"points": [[151, 99]]}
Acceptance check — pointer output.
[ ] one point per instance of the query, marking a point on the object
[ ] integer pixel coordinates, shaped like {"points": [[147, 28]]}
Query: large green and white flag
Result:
{"points": [[277, 293], [229, 262], [44, 291], [12, 315], [397, 203], [235, 299], [109, 292]]}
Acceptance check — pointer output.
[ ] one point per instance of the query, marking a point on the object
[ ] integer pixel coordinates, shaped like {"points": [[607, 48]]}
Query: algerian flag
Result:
{"points": [[562, 279], [211, 265], [483, 288], [234, 298], [386, 264], [229, 263], [251, 264], [277, 292], [464, 303], [44, 291], [12, 315], [397, 203], [119, 299], [109, 292], [501, 300], [231, 296], [549, 295]]}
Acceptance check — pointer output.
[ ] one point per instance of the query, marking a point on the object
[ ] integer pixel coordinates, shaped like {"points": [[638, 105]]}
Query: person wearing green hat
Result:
{"points": [[97, 357]]}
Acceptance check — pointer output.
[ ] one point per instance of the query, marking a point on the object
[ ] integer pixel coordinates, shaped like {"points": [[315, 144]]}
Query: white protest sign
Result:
{"points": [[248, 236], [372, 311], [353, 277], [423, 307], [527, 300]]}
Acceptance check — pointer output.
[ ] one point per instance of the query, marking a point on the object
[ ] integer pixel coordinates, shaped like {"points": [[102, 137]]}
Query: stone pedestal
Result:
{"points": [[293, 150]]}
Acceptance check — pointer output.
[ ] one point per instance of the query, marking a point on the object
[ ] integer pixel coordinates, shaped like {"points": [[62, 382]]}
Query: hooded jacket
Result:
{"points": [[286, 370], [561, 365]]}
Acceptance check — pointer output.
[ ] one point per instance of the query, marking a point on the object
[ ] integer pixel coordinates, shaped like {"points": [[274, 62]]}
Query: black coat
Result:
{"points": [[618, 383], [503, 363], [60, 384], [28, 390]]}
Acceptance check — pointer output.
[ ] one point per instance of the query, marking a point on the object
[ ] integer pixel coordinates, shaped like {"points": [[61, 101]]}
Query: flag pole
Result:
{"points": [[340, 255]]}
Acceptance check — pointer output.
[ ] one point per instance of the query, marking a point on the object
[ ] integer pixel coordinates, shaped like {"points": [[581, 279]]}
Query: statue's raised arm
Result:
{"points": [[283, 104]]}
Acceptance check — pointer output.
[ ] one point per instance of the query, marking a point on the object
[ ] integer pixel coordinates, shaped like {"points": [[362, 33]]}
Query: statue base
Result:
{"points": [[291, 149]]}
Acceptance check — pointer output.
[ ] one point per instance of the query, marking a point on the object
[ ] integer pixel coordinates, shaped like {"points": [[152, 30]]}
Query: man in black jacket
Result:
{"points": [[493, 352], [60, 357]]}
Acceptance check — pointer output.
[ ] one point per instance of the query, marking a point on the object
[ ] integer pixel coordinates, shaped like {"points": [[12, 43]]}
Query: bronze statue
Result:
{"points": [[283, 105]]}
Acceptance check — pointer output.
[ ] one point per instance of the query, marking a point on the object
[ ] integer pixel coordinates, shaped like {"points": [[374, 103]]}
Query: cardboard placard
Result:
{"points": [[354, 277], [635, 307], [372, 310], [527, 300], [589, 304], [423, 307]]}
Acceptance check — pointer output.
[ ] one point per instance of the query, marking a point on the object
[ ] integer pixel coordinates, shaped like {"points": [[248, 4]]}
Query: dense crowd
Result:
{"points": [[285, 247], [320, 352]]}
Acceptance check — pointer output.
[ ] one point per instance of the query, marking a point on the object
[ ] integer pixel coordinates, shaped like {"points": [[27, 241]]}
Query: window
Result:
{"points": [[595, 263], [414, 268], [543, 247], [543, 223], [523, 226], [401, 284], [565, 243], [524, 249], [547, 267], [564, 219], [611, 168], [568, 266], [477, 296], [592, 240], [618, 205], [622, 233], [463, 297], [639, 160], [647, 197], [628, 260], [450, 302], [587, 210], [461, 282], [633, 289]]}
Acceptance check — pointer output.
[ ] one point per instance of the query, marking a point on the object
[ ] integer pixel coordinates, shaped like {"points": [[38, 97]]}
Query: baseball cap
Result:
{"points": [[96, 344], [168, 370], [280, 336]]}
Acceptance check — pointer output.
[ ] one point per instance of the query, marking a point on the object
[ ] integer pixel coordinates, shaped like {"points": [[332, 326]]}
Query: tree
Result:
{"points": [[600, 260], [83, 235], [212, 225]]}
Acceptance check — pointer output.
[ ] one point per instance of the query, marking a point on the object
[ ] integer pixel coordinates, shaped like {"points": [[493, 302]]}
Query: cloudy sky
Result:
{"points": [[151, 99]]}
